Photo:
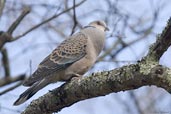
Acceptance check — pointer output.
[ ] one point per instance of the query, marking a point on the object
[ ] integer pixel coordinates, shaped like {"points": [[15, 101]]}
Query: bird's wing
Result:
{"points": [[68, 52]]}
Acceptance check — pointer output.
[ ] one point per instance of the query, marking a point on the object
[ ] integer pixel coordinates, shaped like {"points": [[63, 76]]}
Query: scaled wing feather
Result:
{"points": [[68, 52]]}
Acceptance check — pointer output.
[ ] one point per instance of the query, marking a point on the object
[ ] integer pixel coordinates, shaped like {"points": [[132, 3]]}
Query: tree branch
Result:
{"points": [[162, 44], [145, 72], [74, 18], [100, 84], [4, 37], [5, 61], [25, 11], [47, 20], [2, 4], [11, 88], [7, 80], [7, 36]]}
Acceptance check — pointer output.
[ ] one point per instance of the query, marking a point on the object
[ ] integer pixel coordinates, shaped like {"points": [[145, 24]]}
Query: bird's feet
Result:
{"points": [[75, 77]]}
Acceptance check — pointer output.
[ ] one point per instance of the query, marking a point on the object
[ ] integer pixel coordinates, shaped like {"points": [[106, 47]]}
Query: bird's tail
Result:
{"points": [[30, 92]]}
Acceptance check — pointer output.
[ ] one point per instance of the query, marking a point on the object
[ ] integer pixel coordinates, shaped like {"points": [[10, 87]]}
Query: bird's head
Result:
{"points": [[101, 25]]}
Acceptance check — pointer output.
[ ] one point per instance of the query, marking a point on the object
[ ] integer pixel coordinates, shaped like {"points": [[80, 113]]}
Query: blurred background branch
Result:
{"points": [[2, 4], [14, 25], [5, 61], [49, 19], [8, 80]]}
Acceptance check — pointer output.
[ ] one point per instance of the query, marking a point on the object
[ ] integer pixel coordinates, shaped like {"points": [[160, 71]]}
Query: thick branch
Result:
{"points": [[100, 84], [162, 44]]}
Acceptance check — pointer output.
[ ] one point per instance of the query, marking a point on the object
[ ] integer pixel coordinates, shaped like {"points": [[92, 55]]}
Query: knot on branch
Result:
{"points": [[4, 37], [158, 71], [161, 77]]}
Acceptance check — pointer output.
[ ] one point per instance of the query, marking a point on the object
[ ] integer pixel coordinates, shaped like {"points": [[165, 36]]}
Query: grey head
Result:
{"points": [[101, 25]]}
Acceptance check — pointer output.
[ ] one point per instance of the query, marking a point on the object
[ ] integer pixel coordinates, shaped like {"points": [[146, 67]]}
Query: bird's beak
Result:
{"points": [[106, 29]]}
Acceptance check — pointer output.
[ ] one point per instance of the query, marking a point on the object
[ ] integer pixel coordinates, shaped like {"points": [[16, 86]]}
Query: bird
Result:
{"points": [[72, 58]]}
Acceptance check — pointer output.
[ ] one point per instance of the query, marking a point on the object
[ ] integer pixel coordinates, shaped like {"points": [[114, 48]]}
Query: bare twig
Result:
{"points": [[18, 20], [7, 36], [57, 30], [108, 51], [2, 4], [47, 20], [150, 27], [5, 61], [147, 33], [11, 88], [7, 80], [136, 102], [74, 18]]}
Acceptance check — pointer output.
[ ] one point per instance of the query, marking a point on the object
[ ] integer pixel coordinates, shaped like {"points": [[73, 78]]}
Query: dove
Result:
{"points": [[72, 58]]}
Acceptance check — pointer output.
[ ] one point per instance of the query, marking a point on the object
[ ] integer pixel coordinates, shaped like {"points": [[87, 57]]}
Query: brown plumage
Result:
{"points": [[73, 57]]}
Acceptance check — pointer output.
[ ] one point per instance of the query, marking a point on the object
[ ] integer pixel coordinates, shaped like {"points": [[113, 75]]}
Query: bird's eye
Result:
{"points": [[98, 23]]}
